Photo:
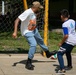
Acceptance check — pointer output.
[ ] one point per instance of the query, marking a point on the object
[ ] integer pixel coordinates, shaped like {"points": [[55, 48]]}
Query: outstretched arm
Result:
{"points": [[15, 28]]}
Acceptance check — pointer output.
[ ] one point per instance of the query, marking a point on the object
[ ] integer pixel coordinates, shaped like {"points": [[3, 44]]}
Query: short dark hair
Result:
{"points": [[65, 13]]}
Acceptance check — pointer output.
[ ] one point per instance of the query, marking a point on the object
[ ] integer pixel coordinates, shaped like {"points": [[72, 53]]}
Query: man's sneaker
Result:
{"points": [[61, 72], [68, 67], [49, 54], [29, 65]]}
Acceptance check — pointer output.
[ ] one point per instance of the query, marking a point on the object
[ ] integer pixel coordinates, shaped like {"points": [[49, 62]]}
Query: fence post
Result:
{"points": [[3, 8], [25, 4], [46, 24]]}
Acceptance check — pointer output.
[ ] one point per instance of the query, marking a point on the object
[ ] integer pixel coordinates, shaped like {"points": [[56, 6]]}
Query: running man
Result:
{"points": [[30, 32]]}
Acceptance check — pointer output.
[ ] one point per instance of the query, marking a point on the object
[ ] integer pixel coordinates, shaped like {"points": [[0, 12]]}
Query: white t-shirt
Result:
{"points": [[70, 25], [25, 18]]}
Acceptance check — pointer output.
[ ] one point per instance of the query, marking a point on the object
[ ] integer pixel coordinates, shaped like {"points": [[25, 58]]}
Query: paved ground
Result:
{"points": [[15, 65]]}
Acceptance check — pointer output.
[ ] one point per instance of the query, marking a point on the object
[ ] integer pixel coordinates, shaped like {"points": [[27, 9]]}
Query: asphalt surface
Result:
{"points": [[14, 64]]}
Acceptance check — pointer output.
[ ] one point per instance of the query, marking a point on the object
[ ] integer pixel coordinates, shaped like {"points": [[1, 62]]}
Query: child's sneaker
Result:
{"points": [[61, 72]]}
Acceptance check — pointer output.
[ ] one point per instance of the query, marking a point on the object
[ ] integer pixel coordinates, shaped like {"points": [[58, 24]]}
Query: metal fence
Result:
{"points": [[12, 9]]}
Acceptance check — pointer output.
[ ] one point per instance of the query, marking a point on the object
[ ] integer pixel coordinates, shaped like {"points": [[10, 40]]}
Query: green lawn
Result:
{"points": [[54, 39], [7, 43]]}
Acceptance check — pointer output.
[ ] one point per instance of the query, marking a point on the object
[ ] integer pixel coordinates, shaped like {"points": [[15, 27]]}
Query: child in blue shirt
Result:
{"points": [[68, 41]]}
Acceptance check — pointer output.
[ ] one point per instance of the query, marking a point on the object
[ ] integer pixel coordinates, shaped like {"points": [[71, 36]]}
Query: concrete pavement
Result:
{"points": [[14, 64]]}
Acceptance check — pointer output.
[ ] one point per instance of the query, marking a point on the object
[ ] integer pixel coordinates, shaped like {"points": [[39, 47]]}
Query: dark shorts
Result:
{"points": [[65, 48]]}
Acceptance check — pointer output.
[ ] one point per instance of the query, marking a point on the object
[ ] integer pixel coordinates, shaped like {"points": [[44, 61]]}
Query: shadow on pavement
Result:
{"points": [[34, 61], [57, 67]]}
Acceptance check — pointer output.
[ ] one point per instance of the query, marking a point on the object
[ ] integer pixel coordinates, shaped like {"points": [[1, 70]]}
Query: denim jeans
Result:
{"points": [[33, 39], [65, 49]]}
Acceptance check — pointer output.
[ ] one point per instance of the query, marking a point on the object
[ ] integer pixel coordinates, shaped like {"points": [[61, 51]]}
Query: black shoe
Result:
{"points": [[29, 65], [49, 54], [68, 67]]}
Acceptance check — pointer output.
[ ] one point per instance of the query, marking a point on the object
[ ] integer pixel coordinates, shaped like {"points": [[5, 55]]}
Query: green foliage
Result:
{"points": [[7, 43], [54, 39]]}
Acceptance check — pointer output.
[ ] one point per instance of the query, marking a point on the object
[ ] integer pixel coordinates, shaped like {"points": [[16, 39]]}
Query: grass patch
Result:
{"points": [[7, 43], [54, 39]]}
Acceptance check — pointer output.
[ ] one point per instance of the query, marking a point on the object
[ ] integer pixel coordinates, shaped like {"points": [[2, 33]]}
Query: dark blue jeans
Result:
{"points": [[65, 49]]}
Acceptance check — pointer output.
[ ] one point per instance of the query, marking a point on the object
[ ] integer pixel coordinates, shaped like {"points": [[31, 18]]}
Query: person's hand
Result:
{"points": [[14, 35], [59, 44]]}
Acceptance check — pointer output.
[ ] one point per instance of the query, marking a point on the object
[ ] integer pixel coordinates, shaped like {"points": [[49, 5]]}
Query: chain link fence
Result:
{"points": [[13, 8]]}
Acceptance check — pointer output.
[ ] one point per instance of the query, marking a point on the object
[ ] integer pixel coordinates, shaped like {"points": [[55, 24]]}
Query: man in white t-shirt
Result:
{"points": [[30, 32], [68, 42]]}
